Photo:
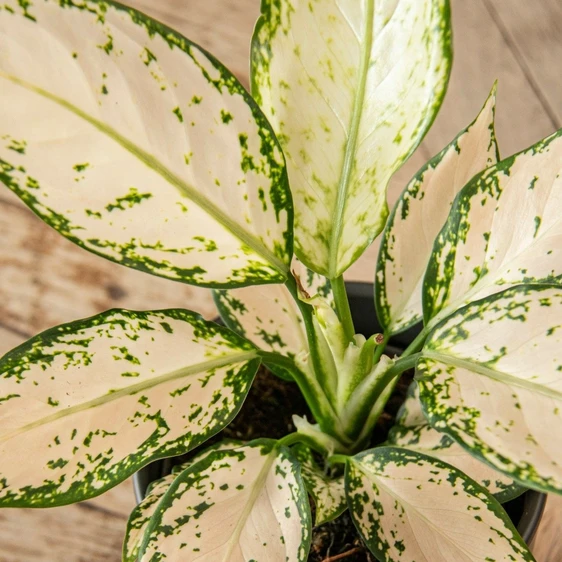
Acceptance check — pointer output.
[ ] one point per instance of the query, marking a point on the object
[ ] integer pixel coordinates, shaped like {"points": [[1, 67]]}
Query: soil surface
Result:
{"points": [[267, 412]]}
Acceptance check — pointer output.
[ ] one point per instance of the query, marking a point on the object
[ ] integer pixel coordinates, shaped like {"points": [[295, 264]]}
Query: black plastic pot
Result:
{"points": [[525, 511]]}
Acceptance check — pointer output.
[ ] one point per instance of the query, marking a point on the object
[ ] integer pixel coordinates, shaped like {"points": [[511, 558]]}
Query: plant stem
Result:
{"points": [[313, 392], [403, 364], [297, 437], [290, 439], [342, 306], [338, 459], [365, 409], [417, 344]]}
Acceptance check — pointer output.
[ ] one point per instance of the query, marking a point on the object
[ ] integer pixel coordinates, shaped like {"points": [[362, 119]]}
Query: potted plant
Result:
{"points": [[138, 145]]}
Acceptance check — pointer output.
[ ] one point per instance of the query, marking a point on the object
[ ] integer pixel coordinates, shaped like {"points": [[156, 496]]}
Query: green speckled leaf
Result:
{"points": [[137, 145], [410, 413], [140, 516], [431, 442], [351, 88], [268, 315], [418, 435], [491, 377], [409, 507], [505, 228], [244, 504], [328, 493], [86, 404], [419, 215]]}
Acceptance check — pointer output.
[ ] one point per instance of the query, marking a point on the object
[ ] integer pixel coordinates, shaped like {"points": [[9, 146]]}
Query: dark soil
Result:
{"points": [[267, 412]]}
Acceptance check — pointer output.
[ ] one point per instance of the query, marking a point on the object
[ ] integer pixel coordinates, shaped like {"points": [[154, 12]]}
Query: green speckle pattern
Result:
{"points": [[141, 516], [409, 507], [492, 238], [99, 398], [186, 103], [246, 503], [412, 431], [268, 315], [419, 215], [328, 493], [489, 377], [321, 73]]}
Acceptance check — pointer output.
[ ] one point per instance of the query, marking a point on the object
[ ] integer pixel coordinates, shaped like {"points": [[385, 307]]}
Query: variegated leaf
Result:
{"points": [[425, 439], [135, 144], [410, 413], [268, 315], [140, 516], [222, 445], [409, 507], [248, 503], [504, 229], [350, 87], [328, 493], [491, 376], [412, 431], [85, 404], [419, 215]]}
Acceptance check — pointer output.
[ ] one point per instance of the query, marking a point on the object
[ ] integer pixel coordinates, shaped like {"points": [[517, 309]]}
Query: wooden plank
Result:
{"points": [[47, 280], [532, 31], [9, 339], [482, 56], [547, 546], [71, 534]]}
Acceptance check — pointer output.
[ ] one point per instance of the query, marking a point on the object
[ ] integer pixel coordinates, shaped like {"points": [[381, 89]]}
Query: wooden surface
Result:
{"points": [[45, 280]]}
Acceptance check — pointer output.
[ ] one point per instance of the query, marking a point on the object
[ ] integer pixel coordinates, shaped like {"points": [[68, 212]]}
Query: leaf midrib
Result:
{"points": [[254, 495], [154, 164], [491, 373], [403, 501], [133, 389], [351, 144]]}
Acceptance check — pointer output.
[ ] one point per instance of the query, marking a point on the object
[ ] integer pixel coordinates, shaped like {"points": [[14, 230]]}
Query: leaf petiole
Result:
{"points": [[337, 459], [417, 344], [342, 306]]}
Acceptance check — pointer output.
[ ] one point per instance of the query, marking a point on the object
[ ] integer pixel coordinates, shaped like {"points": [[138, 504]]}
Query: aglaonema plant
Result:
{"points": [[139, 146]]}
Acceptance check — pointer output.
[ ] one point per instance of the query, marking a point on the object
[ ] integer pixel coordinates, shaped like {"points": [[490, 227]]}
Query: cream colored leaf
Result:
{"points": [[412, 431], [409, 507], [86, 404], [248, 503], [419, 215], [135, 144], [141, 516], [491, 377], [351, 88], [504, 229]]}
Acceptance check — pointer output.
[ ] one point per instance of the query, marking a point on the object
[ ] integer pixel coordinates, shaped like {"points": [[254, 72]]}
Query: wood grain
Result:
{"points": [[46, 280]]}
